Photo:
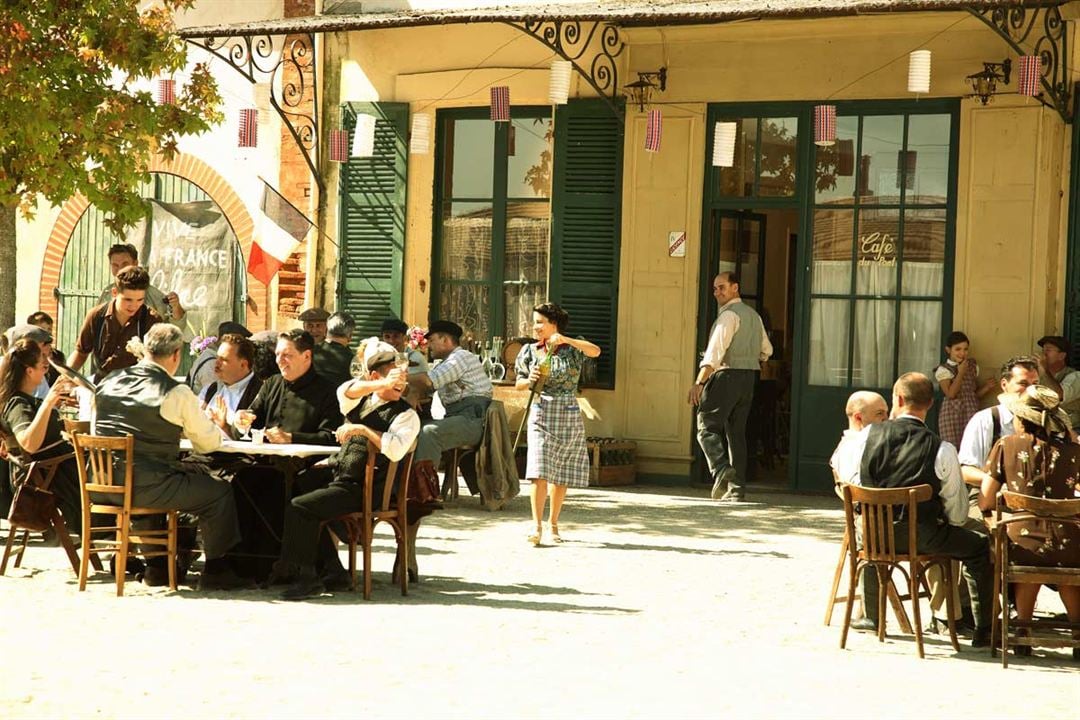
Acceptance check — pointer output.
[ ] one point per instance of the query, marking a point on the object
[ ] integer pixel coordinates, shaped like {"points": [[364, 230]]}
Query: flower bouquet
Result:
{"points": [[415, 338], [200, 343]]}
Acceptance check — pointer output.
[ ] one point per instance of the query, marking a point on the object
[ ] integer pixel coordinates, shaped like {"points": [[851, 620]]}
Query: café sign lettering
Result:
{"points": [[877, 248]]}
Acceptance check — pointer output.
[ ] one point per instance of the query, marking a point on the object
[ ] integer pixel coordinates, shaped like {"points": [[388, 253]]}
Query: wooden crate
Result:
{"points": [[608, 463]]}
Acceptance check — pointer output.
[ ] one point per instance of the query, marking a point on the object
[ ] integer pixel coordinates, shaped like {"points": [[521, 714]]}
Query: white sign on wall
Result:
{"points": [[676, 243]]}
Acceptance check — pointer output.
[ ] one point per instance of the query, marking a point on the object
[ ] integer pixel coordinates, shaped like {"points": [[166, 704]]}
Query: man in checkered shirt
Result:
{"points": [[464, 389]]}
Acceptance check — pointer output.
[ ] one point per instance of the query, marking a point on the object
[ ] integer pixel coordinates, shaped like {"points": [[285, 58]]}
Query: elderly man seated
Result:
{"points": [[146, 402], [378, 416], [863, 409]]}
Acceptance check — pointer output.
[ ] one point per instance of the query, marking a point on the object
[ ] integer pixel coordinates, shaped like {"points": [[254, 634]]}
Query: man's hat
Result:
{"points": [[445, 326], [394, 325], [376, 353], [31, 332], [232, 328], [1057, 341], [315, 314]]}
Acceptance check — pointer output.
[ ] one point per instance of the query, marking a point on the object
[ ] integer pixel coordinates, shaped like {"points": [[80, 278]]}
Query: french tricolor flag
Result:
{"points": [[283, 228]]}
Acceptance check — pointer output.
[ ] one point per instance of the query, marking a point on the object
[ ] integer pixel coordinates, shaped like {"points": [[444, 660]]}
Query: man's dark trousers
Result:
{"points": [[722, 412], [969, 547]]}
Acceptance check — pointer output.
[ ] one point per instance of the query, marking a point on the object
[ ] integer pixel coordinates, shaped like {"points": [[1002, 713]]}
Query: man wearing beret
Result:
{"points": [[1055, 373], [464, 389], [314, 320]]}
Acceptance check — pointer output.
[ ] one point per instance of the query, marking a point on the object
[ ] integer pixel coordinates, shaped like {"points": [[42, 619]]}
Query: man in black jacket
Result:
{"points": [[903, 452]]}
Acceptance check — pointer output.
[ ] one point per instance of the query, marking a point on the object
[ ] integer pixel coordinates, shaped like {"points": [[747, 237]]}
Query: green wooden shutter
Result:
{"points": [[371, 214], [587, 225]]}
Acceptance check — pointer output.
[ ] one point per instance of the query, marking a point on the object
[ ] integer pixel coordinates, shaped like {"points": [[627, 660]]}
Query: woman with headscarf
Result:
{"points": [[1041, 460]]}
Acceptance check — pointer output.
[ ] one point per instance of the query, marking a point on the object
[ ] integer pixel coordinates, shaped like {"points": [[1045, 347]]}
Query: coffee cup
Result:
{"points": [[258, 436]]}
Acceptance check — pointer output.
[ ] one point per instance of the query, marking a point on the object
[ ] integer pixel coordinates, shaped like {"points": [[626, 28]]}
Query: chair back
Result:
{"points": [[96, 459], [76, 426], [1043, 507], [397, 472], [878, 509]]}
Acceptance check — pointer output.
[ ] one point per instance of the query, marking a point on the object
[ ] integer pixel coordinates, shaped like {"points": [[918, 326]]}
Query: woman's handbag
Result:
{"points": [[32, 508]]}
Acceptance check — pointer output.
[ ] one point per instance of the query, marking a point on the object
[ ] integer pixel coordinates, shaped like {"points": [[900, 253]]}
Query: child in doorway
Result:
{"points": [[958, 377]]}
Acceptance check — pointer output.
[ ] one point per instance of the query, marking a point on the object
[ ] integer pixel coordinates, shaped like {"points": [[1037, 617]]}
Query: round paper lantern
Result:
{"points": [[723, 151], [559, 82], [918, 77]]}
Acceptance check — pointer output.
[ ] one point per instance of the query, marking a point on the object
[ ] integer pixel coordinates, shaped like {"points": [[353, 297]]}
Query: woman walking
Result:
{"points": [[557, 453]]}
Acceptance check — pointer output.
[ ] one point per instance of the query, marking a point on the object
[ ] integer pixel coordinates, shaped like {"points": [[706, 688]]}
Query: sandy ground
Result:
{"points": [[660, 604]]}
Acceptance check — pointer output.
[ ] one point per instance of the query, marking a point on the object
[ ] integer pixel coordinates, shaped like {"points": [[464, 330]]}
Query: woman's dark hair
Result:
{"points": [[1041, 433], [21, 356], [555, 315], [955, 338]]}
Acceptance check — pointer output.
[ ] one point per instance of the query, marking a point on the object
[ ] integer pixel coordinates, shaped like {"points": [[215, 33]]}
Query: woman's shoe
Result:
{"points": [[555, 538], [534, 538]]}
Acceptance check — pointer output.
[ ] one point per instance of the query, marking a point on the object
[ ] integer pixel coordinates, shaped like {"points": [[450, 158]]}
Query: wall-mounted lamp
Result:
{"points": [[984, 84], [640, 91]]}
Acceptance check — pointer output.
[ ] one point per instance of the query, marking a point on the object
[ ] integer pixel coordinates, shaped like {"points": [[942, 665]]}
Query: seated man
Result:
{"points": [[146, 402], [314, 320], [333, 358], [297, 406], [903, 452], [234, 386], [395, 332], [863, 409], [201, 373], [391, 425]]}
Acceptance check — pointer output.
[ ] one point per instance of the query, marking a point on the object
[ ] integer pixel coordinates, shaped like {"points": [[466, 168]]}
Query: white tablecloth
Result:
{"points": [[244, 447]]}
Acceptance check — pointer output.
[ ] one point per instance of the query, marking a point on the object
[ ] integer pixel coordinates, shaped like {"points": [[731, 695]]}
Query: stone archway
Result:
{"points": [[191, 169]]}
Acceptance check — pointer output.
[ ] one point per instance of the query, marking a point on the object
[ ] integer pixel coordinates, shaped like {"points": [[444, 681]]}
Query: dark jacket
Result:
{"points": [[902, 453], [307, 408]]}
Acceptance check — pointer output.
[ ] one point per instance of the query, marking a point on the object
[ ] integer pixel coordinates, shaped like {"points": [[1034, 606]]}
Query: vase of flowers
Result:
{"points": [[199, 343], [415, 338]]}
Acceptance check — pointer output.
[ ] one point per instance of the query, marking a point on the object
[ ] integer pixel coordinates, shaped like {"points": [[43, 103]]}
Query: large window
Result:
{"points": [[880, 238], [493, 220]]}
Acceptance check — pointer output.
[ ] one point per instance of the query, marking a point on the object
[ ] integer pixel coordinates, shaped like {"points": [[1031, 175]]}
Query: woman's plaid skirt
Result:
{"points": [[557, 450]]}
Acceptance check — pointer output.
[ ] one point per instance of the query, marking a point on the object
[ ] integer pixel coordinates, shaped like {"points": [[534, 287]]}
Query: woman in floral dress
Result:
{"points": [[1040, 460]]}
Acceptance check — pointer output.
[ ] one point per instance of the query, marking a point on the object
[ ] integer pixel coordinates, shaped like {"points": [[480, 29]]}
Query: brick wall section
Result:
{"points": [[295, 178]]}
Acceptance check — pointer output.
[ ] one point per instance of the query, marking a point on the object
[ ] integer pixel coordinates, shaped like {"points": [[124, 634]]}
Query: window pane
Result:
{"points": [[466, 241], [882, 141], [468, 306], [528, 169], [920, 336], [924, 252], [726, 229], [875, 348], [527, 230], [749, 244], [829, 342], [835, 178], [520, 300], [832, 251], [928, 159], [738, 181], [876, 246], [778, 139], [470, 162]]}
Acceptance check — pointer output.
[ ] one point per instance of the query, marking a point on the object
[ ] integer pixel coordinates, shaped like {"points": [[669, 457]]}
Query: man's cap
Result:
{"points": [[394, 325], [31, 332], [232, 328], [376, 353], [315, 314], [1057, 341], [445, 326], [268, 337]]}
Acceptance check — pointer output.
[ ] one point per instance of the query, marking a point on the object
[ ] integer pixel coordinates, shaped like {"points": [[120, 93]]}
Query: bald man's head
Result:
{"points": [[865, 408]]}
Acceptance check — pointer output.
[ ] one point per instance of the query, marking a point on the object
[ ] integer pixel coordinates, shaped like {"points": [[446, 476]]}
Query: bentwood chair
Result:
{"points": [[41, 474], [878, 512], [97, 458], [1051, 632], [390, 508]]}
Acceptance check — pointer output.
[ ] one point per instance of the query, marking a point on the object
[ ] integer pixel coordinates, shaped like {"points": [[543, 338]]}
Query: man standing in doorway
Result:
{"points": [[724, 388]]}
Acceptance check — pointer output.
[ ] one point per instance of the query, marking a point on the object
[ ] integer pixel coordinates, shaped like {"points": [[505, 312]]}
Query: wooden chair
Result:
{"points": [[41, 474], [360, 526], [878, 512], [835, 598], [450, 477], [1023, 508], [96, 458]]}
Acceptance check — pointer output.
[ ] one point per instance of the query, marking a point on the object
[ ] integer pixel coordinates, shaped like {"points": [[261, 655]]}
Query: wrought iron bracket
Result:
{"points": [[591, 47], [1040, 31], [263, 58]]}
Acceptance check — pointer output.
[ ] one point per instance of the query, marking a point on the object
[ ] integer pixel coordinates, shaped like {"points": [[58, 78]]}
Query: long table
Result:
{"points": [[280, 450]]}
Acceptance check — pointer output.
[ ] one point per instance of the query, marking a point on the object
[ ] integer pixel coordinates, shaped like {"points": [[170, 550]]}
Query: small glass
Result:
{"points": [[244, 420]]}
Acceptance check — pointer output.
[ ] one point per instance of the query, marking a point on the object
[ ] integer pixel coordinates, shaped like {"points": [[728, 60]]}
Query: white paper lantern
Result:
{"points": [[559, 82], [918, 77], [723, 149], [420, 134], [363, 141]]}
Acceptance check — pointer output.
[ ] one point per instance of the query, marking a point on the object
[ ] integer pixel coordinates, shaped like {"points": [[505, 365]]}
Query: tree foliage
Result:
{"points": [[70, 118]]}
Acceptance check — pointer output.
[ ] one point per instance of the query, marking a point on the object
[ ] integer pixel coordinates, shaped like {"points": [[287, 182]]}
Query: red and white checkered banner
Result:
{"points": [[249, 128], [653, 130], [500, 103], [1028, 73], [166, 91], [339, 146], [824, 124]]}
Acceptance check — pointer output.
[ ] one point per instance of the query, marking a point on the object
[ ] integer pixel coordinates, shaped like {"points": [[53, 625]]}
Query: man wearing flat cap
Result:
{"points": [[1055, 373], [464, 389], [314, 320]]}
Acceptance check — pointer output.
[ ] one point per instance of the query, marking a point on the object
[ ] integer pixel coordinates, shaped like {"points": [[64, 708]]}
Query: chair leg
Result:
{"points": [[950, 607], [22, 548], [833, 597], [7, 549], [403, 555], [915, 573], [65, 541], [884, 585], [899, 611], [171, 548], [122, 555], [85, 540], [369, 532], [450, 483], [995, 613], [849, 604], [352, 560]]}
